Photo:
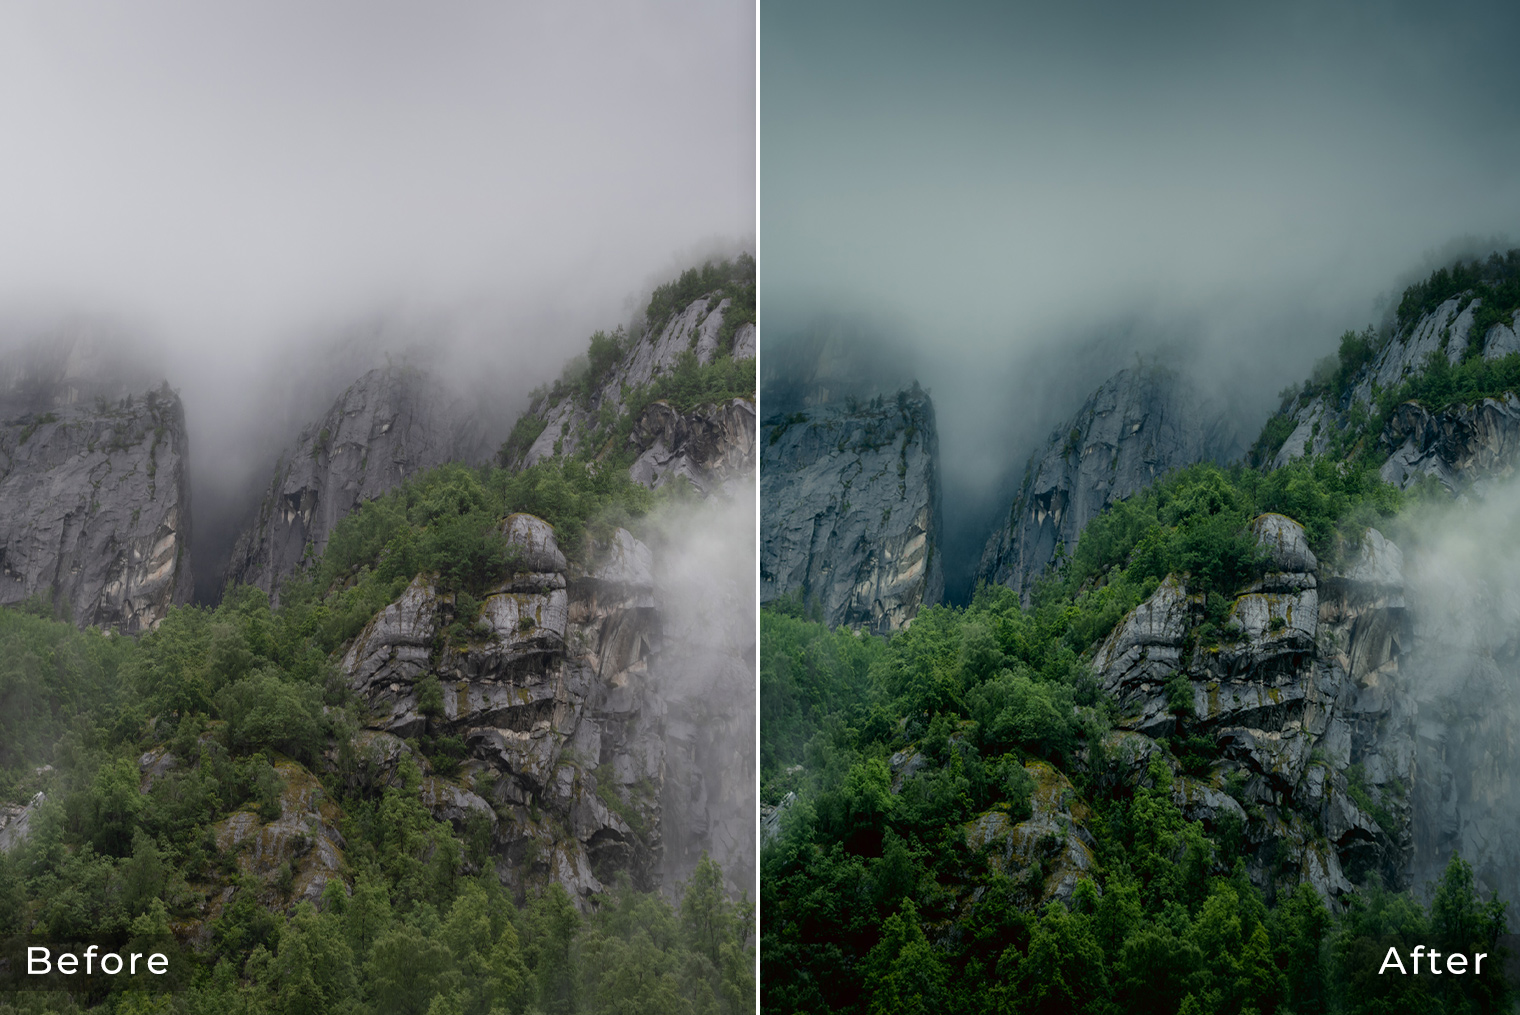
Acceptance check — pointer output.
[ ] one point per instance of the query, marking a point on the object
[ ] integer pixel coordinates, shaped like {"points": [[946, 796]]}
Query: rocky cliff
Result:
{"points": [[1141, 424], [677, 428], [389, 424], [96, 504], [590, 750], [1299, 702], [711, 447], [850, 510], [1456, 446]]}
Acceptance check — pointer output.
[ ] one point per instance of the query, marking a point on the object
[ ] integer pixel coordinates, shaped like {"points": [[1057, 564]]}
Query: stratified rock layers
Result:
{"points": [[1302, 696], [850, 511], [588, 738]]}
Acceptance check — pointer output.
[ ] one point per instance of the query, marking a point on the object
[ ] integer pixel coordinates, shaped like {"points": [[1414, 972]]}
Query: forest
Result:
{"points": [[884, 760], [149, 751]]}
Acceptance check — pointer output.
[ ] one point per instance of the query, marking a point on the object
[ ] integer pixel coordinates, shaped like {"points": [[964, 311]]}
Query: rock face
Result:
{"points": [[1052, 844], [1460, 446], [96, 501], [708, 446], [1457, 446], [588, 754], [1141, 424], [16, 822], [389, 424], [304, 836], [850, 510], [711, 447], [1302, 701]]}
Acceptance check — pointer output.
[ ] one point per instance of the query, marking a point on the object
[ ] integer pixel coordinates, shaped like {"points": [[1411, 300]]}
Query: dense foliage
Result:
{"points": [[245, 700], [1495, 280], [901, 751], [872, 900], [734, 279]]}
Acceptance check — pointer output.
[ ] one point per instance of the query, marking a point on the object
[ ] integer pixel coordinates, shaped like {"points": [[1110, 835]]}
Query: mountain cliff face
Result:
{"points": [[1303, 698], [710, 447], [96, 506], [552, 691], [1460, 446], [389, 424], [1141, 424], [850, 510], [679, 429], [598, 717], [1455, 445]]}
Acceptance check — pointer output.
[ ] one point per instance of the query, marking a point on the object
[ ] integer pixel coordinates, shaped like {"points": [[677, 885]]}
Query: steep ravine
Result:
{"points": [[1139, 425], [391, 423]]}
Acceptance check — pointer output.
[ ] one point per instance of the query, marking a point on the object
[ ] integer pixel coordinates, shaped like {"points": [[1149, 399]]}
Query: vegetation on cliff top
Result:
{"points": [[1436, 385], [686, 385]]}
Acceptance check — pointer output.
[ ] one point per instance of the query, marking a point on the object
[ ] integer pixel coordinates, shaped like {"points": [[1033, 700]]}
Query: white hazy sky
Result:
{"points": [[230, 170]]}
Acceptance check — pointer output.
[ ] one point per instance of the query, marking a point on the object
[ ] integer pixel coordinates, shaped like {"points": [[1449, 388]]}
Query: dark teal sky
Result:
{"points": [[1028, 194]]}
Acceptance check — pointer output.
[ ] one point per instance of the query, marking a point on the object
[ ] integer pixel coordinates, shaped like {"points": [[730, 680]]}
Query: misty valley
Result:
{"points": [[1228, 720], [465, 722]]}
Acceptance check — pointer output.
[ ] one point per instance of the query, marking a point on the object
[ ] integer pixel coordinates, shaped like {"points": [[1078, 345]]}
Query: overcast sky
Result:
{"points": [[1007, 186], [225, 180]]}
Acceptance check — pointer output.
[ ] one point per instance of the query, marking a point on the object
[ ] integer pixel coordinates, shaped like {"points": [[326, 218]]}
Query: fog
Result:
{"points": [[1021, 200], [704, 570], [258, 202], [1459, 683]]}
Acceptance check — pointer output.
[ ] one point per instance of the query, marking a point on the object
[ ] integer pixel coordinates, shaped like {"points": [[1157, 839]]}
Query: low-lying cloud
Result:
{"points": [[1034, 197]]}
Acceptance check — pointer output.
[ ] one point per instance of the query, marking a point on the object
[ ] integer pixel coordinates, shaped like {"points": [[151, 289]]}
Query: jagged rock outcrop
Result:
{"points": [[1456, 446], [708, 445], [850, 510], [1300, 696], [1141, 424], [95, 506], [1459, 446], [391, 423], [299, 849], [589, 753], [1049, 852], [711, 447]]}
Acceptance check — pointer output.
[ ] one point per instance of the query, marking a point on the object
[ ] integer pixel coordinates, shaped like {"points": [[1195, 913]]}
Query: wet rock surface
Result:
{"points": [[1141, 424], [97, 509], [1312, 742], [850, 510], [389, 424], [590, 750]]}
